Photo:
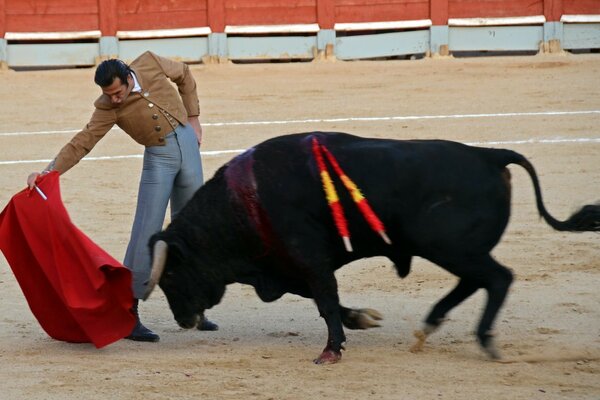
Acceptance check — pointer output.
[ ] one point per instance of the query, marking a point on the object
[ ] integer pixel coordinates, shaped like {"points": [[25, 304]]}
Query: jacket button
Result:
{"points": [[154, 116], [157, 128], [146, 94], [161, 139], [150, 105]]}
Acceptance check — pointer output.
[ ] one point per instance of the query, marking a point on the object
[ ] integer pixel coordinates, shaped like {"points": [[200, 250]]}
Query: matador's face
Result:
{"points": [[118, 90]]}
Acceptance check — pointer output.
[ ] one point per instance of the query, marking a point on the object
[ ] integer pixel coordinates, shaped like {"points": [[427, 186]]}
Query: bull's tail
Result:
{"points": [[587, 219]]}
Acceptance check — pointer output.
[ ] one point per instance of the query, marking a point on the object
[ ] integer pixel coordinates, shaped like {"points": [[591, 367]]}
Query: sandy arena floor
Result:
{"points": [[549, 328]]}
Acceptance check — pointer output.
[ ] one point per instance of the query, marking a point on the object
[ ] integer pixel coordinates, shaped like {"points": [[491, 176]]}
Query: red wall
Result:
{"points": [[494, 8], [380, 10], [50, 15], [110, 16]]}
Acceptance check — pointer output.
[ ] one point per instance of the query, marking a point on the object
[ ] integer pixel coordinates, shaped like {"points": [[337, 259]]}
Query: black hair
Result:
{"points": [[108, 70]]}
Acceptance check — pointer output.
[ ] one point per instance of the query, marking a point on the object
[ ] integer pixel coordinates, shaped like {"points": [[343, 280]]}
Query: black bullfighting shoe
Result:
{"points": [[142, 334]]}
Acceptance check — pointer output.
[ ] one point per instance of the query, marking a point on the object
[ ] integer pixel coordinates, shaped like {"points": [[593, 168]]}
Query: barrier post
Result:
{"points": [[3, 46], [553, 28], [107, 21], [326, 35], [217, 39], [438, 41]]}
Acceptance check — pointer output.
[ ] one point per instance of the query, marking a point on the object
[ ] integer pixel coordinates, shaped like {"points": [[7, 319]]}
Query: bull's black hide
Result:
{"points": [[264, 220]]}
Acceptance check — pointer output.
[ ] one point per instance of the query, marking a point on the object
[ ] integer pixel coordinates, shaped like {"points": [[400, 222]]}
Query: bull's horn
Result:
{"points": [[158, 265]]}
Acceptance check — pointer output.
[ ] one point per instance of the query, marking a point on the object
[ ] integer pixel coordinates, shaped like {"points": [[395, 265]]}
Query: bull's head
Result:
{"points": [[171, 271]]}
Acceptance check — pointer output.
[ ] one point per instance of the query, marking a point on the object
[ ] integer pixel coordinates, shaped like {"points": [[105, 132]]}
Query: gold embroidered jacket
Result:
{"points": [[146, 116]]}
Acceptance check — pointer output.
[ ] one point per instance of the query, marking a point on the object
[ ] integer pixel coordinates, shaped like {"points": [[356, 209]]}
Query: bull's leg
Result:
{"points": [[461, 292], [481, 273], [497, 280], [327, 300], [360, 318]]}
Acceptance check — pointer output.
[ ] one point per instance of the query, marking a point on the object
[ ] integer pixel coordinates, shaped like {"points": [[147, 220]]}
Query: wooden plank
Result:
{"points": [[182, 49], [382, 45], [580, 18], [107, 18], [51, 7], [271, 16], [270, 12], [164, 33], [326, 13], [266, 4], [162, 6], [494, 8], [379, 26], [2, 19], [383, 11], [50, 23], [22, 55], [439, 12], [215, 15], [274, 47], [72, 35], [265, 29], [161, 20], [508, 21], [581, 36], [499, 38], [581, 7], [135, 15]]}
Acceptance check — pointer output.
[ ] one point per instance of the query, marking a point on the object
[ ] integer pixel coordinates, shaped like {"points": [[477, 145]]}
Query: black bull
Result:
{"points": [[264, 220]]}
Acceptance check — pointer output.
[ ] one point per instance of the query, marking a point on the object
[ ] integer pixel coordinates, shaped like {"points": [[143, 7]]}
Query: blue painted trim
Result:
{"points": [[109, 47], [271, 47], [190, 49], [325, 37], [438, 37], [217, 45], [52, 54], [382, 45], [581, 36], [495, 38], [553, 31], [3, 51]]}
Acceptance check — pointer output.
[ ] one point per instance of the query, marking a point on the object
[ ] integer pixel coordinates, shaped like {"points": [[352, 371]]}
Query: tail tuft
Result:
{"points": [[587, 219]]}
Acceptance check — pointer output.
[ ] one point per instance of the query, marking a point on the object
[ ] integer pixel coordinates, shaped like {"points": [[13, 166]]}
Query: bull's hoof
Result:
{"points": [[328, 357], [421, 338], [363, 318], [489, 347], [207, 325]]}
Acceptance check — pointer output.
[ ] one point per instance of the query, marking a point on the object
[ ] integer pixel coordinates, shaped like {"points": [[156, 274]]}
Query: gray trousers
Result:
{"points": [[171, 172]]}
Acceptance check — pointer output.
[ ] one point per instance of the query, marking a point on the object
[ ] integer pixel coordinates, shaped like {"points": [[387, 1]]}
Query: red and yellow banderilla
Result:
{"points": [[337, 211]]}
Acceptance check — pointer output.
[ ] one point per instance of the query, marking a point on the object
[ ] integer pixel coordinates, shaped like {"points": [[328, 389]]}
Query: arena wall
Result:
{"points": [[67, 32]]}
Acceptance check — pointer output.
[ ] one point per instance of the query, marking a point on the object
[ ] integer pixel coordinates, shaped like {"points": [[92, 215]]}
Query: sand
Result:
{"points": [[548, 331]]}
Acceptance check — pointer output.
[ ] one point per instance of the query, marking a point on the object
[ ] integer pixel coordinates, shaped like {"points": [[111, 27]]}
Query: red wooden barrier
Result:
{"points": [[581, 6], [270, 12], [142, 15], [2, 18], [380, 10], [326, 13], [50, 15], [216, 15], [494, 8], [438, 12], [110, 16]]}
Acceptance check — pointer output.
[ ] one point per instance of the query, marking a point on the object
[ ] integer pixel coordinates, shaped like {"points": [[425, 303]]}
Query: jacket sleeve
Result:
{"points": [[83, 141], [181, 75]]}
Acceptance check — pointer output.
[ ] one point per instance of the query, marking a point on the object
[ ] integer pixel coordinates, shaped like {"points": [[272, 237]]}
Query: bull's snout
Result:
{"points": [[189, 323]]}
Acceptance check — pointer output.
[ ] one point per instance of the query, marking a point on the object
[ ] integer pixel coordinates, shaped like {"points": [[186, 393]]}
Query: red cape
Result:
{"points": [[77, 291]]}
